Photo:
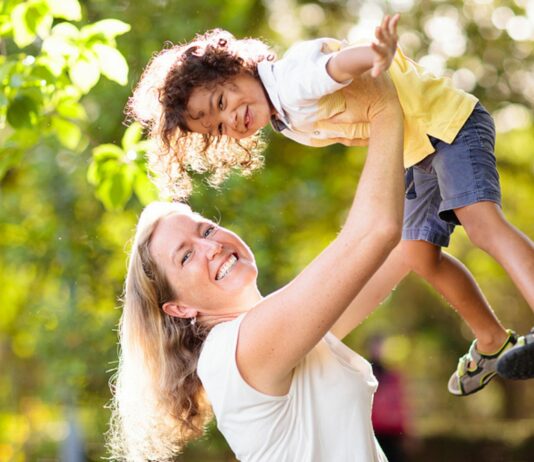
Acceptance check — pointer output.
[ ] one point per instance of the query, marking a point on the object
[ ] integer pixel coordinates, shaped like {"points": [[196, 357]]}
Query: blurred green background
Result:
{"points": [[64, 232]]}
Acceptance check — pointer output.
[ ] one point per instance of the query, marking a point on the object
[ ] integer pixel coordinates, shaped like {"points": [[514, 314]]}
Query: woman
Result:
{"points": [[195, 329]]}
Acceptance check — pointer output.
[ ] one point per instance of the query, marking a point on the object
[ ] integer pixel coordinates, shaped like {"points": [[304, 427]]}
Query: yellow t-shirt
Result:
{"points": [[318, 111]]}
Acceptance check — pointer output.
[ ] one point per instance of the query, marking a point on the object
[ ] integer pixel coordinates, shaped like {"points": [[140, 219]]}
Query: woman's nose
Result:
{"points": [[213, 248]]}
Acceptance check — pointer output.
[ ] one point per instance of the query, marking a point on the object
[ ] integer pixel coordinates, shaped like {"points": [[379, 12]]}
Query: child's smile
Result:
{"points": [[237, 108]]}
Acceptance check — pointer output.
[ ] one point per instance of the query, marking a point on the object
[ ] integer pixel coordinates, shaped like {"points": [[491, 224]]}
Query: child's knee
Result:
{"points": [[484, 223], [421, 256], [485, 234]]}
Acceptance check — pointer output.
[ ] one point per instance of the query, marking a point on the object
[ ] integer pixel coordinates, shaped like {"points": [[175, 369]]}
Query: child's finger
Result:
{"points": [[384, 26], [379, 33], [387, 30], [392, 25], [379, 49], [385, 21]]}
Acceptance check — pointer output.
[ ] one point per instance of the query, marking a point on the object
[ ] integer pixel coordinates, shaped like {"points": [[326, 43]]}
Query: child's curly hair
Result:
{"points": [[160, 100]]}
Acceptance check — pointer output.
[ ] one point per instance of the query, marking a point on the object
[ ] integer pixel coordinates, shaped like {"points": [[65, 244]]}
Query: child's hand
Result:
{"points": [[386, 45]]}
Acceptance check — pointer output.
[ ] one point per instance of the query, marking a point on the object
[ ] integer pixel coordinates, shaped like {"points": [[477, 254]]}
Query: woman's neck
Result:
{"points": [[212, 319]]}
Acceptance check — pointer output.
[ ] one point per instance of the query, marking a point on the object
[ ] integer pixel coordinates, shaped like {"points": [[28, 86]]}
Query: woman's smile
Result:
{"points": [[227, 266]]}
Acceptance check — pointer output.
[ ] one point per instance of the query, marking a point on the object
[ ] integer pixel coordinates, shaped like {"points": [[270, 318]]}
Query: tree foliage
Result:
{"points": [[48, 64]]}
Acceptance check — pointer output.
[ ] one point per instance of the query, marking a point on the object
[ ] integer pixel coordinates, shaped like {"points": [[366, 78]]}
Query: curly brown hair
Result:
{"points": [[160, 100]]}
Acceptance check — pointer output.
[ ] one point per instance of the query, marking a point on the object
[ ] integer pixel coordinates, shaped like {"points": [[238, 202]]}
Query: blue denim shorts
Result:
{"points": [[455, 175]]}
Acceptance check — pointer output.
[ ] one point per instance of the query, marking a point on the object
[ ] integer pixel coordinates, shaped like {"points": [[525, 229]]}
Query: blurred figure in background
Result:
{"points": [[390, 414]]}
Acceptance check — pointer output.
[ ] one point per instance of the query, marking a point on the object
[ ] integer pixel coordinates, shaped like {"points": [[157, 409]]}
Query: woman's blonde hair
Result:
{"points": [[158, 401], [160, 100]]}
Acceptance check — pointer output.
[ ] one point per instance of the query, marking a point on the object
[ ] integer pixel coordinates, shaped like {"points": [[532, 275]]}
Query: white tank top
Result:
{"points": [[325, 417]]}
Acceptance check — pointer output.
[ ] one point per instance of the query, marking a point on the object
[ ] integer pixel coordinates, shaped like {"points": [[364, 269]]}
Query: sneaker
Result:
{"points": [[518, 362], [475, 370]]}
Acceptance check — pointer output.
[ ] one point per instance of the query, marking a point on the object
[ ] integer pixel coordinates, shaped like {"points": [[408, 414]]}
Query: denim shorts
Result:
{"points": [[455, 175]]}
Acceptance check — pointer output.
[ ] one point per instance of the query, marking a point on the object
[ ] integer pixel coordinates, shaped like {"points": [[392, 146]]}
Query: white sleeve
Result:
{"points": [[302, 72]]}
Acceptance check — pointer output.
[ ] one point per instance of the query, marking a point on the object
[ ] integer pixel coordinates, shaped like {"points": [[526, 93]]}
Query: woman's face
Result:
{"points": [[210, 268]]}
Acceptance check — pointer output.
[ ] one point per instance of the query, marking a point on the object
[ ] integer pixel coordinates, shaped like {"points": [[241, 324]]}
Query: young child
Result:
{"points": [[204, 103]]}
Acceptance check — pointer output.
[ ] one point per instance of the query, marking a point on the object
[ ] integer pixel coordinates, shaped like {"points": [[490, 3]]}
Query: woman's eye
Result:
{"points": [[186, 257], [208, 231], [220, 103], [220, 129]]}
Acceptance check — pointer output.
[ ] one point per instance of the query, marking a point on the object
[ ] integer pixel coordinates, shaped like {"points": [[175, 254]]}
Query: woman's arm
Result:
{"points": [[353, 61], [285, 326]]}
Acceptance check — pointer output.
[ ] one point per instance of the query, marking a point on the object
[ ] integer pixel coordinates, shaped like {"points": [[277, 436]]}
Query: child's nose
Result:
{"points": [[231, 119]]}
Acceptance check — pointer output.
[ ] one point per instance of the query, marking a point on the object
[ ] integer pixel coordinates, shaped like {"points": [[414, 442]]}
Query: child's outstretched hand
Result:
{"points": [[386, 44]]}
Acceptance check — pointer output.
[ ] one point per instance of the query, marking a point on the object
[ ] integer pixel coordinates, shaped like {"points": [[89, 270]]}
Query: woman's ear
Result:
{"points": [[179, 311]]}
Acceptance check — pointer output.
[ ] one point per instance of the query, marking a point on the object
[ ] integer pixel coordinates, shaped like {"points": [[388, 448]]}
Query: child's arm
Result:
{"points": [[353, 61]]}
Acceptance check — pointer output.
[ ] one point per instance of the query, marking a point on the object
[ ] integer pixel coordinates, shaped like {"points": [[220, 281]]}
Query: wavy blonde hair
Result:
{"points": [[159, 103], [158, 402]]}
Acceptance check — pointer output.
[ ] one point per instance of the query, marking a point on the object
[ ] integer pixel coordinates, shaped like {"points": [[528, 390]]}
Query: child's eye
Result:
{"points": [[186, 257], [208, 231]]}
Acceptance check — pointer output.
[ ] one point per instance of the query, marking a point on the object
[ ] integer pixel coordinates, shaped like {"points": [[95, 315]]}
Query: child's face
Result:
{"points": [[237, 108]]}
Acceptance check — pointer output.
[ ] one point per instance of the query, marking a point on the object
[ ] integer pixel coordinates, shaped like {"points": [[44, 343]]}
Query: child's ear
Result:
{"points": [[179, 311]]}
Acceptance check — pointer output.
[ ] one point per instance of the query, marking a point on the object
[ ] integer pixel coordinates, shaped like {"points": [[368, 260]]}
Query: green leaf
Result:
{"points": [[131, 136], [66, 9], [68, 133], [145, 145], [116, 189], [93, 173], [22, 34], [5, 70], [106, 152], [38, 18], [22, 112], [71, 109], [66, 30], [108, 28], [144, 189], [112, 63], [42, 71], [5, 24], [54, 64], [61, 44], [84, 74]]}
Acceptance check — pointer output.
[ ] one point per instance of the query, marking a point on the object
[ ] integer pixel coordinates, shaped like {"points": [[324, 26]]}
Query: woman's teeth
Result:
{"points": [[226, 267]]}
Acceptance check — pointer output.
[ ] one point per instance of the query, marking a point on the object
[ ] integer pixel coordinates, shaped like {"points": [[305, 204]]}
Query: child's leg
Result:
{"points": [[470, 194], [456, 284], [424, 234], [489, 230], [447, 177], [454, 281], [446, 274]]}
